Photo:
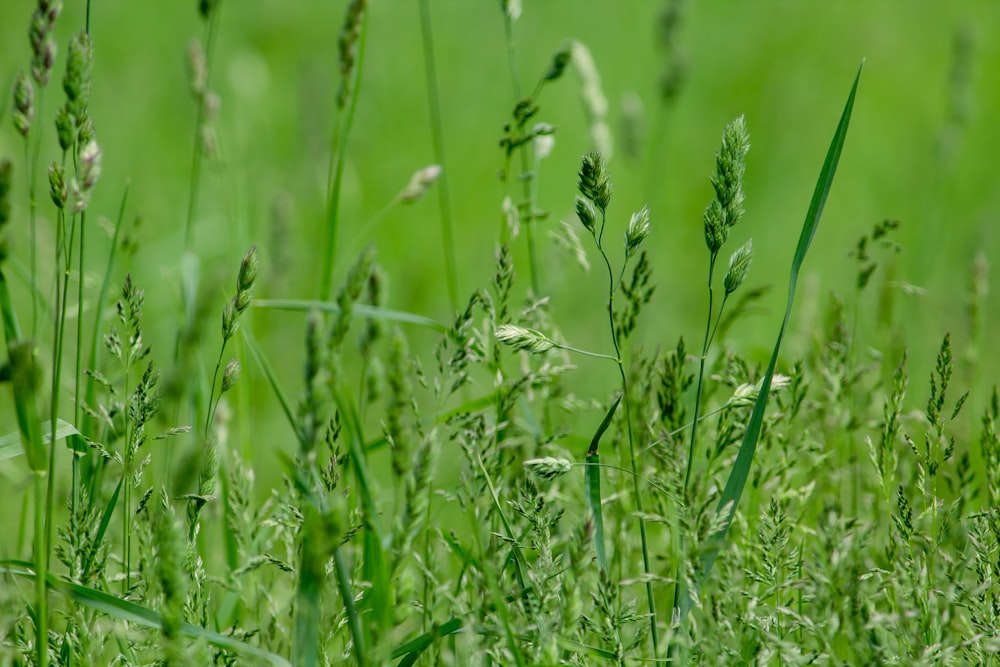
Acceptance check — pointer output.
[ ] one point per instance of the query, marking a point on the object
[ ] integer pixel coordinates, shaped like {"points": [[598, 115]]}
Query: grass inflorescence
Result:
{"points": [[447, 490]]}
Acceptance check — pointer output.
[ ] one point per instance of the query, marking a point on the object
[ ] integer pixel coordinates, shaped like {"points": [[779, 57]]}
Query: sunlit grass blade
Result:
{"points": [[730, 498], [412, 649], [592, 475], [102, 528], [137, 614], [10, 444], [358, 310]]}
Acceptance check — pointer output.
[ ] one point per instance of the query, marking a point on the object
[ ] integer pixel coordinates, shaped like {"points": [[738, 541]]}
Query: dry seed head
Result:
{"points": [[638, 230], [522, 338], [739, 267], [420, 183], [24, 104]]}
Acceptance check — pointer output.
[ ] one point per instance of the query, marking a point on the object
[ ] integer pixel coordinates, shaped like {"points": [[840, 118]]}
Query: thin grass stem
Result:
{"points": [[437, 143], [646, 564], [338, 159]]}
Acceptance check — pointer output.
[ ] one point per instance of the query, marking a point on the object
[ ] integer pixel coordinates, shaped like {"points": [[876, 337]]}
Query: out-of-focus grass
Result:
{"points": [[777, 63]]}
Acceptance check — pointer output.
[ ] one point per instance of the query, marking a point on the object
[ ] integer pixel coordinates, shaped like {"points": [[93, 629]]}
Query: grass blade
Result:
{"points": [[133, 613], [744, 459], [358, 309], [272, 379], [10, 444], [592, 476]]}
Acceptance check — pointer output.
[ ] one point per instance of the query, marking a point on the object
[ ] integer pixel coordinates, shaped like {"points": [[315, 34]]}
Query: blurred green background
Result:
{"points": [[922, 149]]}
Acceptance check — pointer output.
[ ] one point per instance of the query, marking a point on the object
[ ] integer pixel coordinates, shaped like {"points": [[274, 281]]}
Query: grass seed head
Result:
{"points": [[350, 34], [595, 182], [522, 338], [560, 59], [57, 186], [548, 468], [230, 375], [77, 80], [586, 212], [420, 183], [43, 47], [638, 230], [739, 267], [24, 104]]}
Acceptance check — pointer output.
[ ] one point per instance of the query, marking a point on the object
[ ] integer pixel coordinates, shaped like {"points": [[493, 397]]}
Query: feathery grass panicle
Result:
{"points": [[548, 468], [523, 339]]}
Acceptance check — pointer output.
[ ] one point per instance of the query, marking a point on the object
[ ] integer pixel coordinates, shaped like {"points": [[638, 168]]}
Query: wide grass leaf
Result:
{"points": [[730, 498]]}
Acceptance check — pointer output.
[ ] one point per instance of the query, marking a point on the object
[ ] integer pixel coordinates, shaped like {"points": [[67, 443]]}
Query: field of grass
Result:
{"points": [[465, 332]]}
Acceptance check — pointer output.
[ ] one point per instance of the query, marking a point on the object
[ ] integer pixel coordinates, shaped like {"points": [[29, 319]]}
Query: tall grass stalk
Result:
{"points": [[437, 141], [352, 54], [211, 14]]}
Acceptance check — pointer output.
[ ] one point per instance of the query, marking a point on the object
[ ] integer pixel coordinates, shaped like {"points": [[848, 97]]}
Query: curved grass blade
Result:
{"points": [[412, 649], [10, 444], [744, 459], [359, 309], [592, 476], [133, 613], [272, 379]]}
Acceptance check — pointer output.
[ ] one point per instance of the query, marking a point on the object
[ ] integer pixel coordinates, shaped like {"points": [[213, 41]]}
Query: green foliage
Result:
{"points": [[395, 487]]}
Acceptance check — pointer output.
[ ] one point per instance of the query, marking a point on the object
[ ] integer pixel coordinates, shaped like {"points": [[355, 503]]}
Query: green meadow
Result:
{"points": [[451, 332]]}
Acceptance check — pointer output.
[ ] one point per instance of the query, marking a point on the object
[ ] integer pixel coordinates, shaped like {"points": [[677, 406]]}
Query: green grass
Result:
{"points": [[443, 459]]}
